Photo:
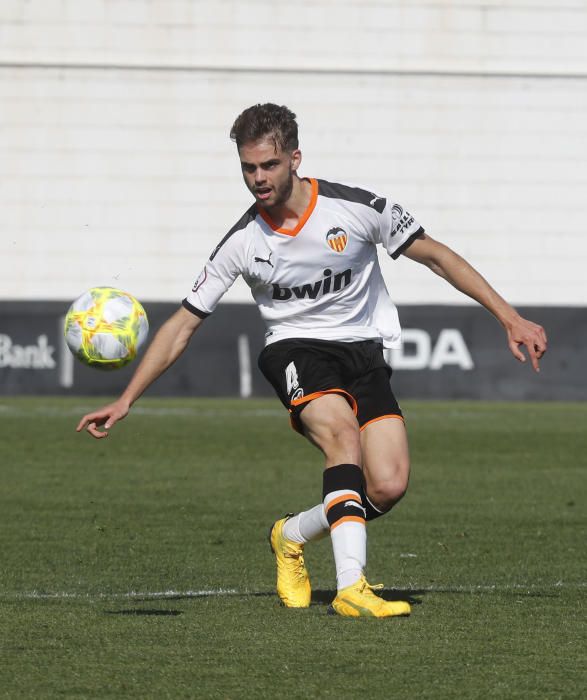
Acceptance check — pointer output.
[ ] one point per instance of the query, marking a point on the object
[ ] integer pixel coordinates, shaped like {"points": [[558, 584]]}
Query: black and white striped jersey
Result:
{"points": [[320, 280]]}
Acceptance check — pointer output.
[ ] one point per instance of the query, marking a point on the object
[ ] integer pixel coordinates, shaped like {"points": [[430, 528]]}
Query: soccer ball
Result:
{"points": [[105, 327]]}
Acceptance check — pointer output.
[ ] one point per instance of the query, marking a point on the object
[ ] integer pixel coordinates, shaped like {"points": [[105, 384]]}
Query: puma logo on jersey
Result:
{"points": [[327, 285], [262, 260], [378, 203]]}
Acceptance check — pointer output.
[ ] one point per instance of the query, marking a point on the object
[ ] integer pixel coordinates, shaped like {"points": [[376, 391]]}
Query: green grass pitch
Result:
{"points": [[138, 566]]}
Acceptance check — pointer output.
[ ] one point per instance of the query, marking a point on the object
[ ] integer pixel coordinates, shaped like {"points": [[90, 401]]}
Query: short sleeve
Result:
{"points": [[398, 229], [216, 278]]}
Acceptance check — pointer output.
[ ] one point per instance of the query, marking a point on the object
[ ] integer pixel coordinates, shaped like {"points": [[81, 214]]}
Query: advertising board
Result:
{"points": [[447, 352]]}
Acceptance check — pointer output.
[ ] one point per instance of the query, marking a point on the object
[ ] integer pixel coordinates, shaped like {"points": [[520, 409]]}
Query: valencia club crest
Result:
{"points": [[337, 239]]}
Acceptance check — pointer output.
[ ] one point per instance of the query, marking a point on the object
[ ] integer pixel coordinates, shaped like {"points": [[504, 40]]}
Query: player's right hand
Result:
{"points": [[105, 417]]}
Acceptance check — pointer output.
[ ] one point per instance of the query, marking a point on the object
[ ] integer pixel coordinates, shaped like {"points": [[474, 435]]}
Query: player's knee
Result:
{"points": [[386, 496], [385, 493]]}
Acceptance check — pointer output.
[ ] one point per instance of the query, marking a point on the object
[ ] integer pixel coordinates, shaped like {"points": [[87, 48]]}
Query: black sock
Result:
{"points": [[344, 477], [370, 510]]}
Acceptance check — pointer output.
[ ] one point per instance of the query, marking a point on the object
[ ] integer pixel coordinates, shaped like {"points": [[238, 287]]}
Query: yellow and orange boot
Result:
{"points": [[293, 582], [359, 600]]}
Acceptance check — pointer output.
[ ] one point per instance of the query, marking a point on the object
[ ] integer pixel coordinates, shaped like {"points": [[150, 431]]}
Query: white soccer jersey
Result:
{"points": [[320, 280]]}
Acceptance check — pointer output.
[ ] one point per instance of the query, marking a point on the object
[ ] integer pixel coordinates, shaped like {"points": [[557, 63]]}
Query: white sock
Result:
{"points": [[307, 526], [349, 537]]}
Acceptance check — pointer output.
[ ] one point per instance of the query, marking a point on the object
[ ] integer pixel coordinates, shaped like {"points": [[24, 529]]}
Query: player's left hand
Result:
{"points": [[522, 332], [104, 418]]}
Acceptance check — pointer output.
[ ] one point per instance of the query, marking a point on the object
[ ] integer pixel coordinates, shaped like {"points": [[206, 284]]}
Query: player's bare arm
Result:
{"points": [[167, 345], [452, 267]]}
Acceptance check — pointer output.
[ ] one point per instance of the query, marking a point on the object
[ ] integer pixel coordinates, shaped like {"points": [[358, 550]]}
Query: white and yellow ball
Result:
{"points": [[105, 327]]}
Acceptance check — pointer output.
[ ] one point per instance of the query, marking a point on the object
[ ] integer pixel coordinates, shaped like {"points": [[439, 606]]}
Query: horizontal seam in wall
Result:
{"points": [[291, 71]]}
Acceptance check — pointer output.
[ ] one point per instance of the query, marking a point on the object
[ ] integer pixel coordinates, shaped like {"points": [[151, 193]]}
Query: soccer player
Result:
{"points": [[308, 250]]}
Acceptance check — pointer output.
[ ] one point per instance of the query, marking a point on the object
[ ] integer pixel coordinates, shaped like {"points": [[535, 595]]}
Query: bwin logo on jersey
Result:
{"points": [[337, 239], [378, 203], [327, 285]]}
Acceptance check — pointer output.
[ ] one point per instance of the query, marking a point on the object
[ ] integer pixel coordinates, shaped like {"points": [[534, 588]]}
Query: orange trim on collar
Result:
{"points": [[303, 218]]}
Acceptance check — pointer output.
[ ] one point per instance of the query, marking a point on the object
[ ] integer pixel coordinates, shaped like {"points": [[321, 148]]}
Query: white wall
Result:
{"points": [[116, 167]]}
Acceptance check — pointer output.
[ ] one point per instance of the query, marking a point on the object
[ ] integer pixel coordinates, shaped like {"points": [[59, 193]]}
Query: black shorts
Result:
{"points": [[301, 370]]}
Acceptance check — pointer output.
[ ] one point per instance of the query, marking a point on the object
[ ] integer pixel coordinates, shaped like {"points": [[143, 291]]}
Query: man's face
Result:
{"points": [[268, 171]]}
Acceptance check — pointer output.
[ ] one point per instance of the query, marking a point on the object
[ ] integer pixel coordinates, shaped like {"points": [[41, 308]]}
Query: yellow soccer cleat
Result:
{"points": [[293, 582], [359, 600]]}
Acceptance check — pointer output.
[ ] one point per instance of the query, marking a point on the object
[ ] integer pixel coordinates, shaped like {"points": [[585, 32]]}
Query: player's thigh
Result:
{"points": [[386, 460], [302, 371], [330, 423]]}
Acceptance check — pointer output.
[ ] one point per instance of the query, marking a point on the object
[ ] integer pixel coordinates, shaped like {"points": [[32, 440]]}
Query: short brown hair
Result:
{"points": [[258, 121]]}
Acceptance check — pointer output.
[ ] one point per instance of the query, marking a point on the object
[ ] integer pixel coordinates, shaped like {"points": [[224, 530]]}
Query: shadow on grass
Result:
{"points": [[325, 597], [319, 597]]}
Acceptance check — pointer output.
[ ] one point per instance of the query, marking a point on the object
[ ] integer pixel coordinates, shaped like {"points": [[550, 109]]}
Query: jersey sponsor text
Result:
{"points": [[328, 284], [321, 280]]}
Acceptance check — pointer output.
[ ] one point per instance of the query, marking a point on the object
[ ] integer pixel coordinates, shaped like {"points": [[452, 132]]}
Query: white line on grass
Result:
{"points": [[243, 410], [44, 595], [225, 592]]}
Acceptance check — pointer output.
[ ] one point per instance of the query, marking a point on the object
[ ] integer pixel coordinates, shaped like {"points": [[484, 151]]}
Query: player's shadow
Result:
{"points": [[323, 597], [319, 597]]}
